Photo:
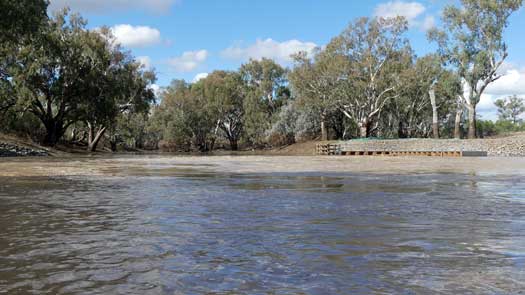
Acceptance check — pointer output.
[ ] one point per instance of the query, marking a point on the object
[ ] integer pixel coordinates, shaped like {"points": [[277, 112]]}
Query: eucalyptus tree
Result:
{"points": [[133, 130], [425, 99], [510, 109], [201, 116], [126, 92], [256, 120], [50, 74], [265, 92], [117, 84], [374, 52], [472, 42], [313, 81], [266, 79], [98, 108], [188, 114], [225, 95], [20, 20], [173, 119]]}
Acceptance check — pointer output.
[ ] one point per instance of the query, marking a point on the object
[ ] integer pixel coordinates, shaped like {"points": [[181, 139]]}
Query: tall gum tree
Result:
{"points": [[265, 88], [117, 84], [50, 74], [313, 82], [128, 92], [428, 91], [265, 77], [472, 42], [374, 51], [224, 92]]}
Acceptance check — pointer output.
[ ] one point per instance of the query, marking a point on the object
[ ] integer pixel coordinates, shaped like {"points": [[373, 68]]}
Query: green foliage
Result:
{"points": [[266, 80], [412, 110], [51, 73], [22, 124], [57, 76], [256, 120], [20, 20], [235, 106], [473, 44], [187, 117], [67, 74], [118, 86], [133, 131], [501, 127], [510, 109], [312, 80], [283, 129], [265, 93], [224, 93]]}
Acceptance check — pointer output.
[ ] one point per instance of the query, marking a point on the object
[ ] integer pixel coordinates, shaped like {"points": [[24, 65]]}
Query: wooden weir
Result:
{"points": [[337, 149], [328, 149]]}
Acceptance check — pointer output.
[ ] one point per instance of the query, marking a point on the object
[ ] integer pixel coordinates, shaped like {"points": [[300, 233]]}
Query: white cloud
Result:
{"points": [[145, 61], [188, 61], [112, 6], [269, 48], [199, 76], [136, 36], [428, 23], [511, 83], [410, 10]]}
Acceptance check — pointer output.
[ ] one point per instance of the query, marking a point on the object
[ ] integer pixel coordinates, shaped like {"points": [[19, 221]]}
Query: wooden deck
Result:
{"points": [[340, 150]]}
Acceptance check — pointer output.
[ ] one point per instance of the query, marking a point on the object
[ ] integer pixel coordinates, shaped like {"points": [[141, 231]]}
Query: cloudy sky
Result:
{"points": [[189, 38]]}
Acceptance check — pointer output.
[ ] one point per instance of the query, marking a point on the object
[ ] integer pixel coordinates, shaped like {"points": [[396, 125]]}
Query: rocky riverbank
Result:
{"points": [[510, 146], [16, 150]]}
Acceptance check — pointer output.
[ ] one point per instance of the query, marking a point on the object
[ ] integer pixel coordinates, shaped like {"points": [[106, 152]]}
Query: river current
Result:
{"points": [[194, 231]]}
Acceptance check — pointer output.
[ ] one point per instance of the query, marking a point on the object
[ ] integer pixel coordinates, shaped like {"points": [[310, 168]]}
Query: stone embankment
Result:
{"points": [[16, 150], [511, 146]]}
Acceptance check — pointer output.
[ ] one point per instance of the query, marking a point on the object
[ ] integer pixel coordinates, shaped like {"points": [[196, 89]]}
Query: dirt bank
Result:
{"points": [[15, 147]]}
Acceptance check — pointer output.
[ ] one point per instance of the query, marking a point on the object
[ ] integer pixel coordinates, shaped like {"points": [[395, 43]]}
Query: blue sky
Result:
{"points": [[185, 38]]}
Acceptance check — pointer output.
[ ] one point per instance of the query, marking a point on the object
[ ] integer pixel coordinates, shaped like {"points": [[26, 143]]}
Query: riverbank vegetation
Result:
{"points": [[61, 82]]}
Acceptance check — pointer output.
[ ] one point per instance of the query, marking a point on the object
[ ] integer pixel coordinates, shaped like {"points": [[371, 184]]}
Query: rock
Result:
{"points": [[13, 150], [512, 146]]}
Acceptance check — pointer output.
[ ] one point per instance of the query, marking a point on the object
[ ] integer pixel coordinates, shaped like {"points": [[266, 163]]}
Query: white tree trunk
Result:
{"points": [[94, 139], [363, 128], [435, 123], [457, 123]]}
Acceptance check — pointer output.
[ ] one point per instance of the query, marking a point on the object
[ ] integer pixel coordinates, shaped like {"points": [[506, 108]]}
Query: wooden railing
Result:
{"points": [[328, 149]]}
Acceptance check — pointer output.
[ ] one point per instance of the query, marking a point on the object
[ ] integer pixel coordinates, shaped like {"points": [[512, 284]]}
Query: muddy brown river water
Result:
{"points": [[262, 225]]}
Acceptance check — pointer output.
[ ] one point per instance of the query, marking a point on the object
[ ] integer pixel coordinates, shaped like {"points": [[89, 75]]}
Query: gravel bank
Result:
{"points": [[512, 146], [15, 150]]}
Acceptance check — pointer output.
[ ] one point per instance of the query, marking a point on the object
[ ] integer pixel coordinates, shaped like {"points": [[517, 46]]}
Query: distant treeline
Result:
{"points": [[63, 83]]}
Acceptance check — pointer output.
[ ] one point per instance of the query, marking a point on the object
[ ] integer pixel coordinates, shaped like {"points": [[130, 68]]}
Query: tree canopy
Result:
{"points": [[472, 42], [60, 81]]}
